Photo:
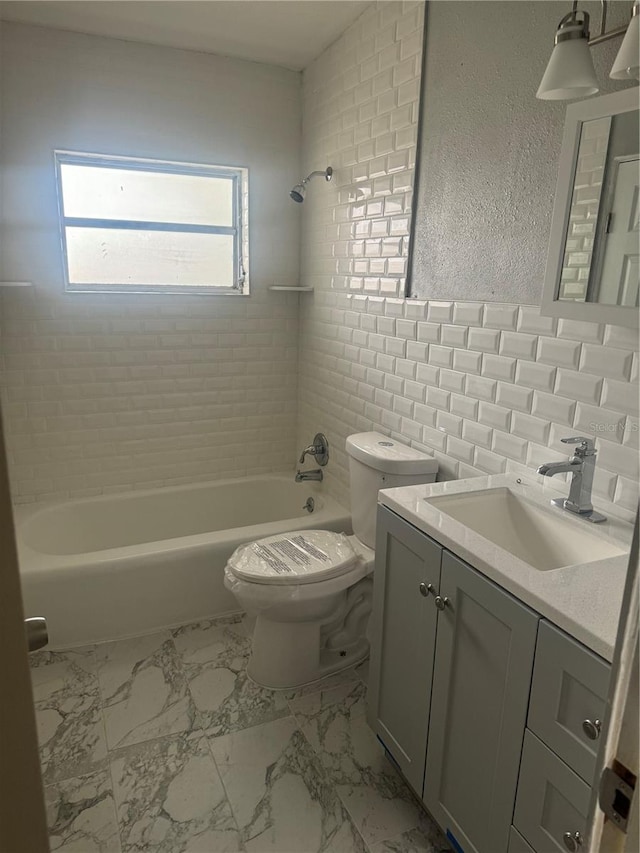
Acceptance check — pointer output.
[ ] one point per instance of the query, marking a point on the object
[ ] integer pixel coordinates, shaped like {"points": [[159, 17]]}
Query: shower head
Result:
{"points": [[298, 192]]}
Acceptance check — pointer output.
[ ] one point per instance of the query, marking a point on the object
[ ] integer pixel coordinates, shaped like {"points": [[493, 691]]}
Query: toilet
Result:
{"points": [[311, 590]]}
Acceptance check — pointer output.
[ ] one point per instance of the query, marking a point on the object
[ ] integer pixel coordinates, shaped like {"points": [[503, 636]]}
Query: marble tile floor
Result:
{"points": [[162, 744]]}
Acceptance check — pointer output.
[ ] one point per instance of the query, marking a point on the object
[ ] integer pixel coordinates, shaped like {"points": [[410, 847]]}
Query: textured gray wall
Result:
{"points": [[489, 150]]}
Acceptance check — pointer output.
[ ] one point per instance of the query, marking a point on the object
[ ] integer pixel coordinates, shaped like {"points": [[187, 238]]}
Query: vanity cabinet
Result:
{"points": [[484, 658], [450, 677], [491, 713], [404, 616]]}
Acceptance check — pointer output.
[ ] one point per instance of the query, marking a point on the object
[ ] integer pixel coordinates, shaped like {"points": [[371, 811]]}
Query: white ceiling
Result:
{"points": [[291, 33]]}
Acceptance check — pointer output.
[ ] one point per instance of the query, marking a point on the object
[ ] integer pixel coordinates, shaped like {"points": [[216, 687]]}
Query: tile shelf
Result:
{"points": [[292, 289]]}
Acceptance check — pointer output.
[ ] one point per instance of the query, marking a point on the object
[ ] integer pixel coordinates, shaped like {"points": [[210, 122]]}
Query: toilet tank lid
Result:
{"points": [[388, 455]]}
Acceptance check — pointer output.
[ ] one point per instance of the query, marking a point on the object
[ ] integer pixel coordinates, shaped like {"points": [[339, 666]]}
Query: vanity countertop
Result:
{"points": [[584, 599]]}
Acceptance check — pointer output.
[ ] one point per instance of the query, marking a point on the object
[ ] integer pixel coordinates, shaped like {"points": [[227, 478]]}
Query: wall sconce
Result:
{"points": [[570, 72]]}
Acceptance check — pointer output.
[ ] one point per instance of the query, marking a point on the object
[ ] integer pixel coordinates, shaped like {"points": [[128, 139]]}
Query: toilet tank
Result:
{"points": [[378, 462]]}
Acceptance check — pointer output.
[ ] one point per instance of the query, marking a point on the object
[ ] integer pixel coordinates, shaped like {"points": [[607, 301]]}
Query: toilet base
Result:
{"points": [[278, 671]]}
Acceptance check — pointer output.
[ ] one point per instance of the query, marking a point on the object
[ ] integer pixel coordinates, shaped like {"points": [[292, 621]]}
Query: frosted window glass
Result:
{"points": [[99, 192], [109, 256]]}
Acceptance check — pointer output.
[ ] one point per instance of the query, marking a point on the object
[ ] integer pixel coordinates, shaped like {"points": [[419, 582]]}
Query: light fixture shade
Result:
{"points": [[570, 72], [627, 65]]}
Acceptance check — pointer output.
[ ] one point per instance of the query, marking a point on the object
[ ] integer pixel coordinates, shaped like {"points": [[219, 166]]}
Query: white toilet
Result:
{"points": [[311, 590]]}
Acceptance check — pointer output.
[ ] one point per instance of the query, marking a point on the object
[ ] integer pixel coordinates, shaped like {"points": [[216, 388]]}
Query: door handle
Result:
{"points": [[37, 634]]}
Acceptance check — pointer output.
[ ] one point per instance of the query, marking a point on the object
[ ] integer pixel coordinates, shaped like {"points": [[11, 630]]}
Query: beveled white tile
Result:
{"points": [[579, 331], [619, 458], [601, 423], [437, 398], [490, 463], [606, 361], [518, 345], [468, 313], [440, 356], [531, 321], [448, 423], [533, 429], [552, 407], [533, 375], [559, 353], [440, 312], [497, 417], [428, 332], [509, 445], [514, 397], [484, 340], [481, 388], [621, 396], [453, 336], [498, 367], [621, 337], [584, 387], [498, 316], [463, 406], [478, 434], [466, 361], [452, 380], [626, 494]]}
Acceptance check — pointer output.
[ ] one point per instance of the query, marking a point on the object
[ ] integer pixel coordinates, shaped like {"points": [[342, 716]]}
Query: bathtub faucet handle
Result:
{"points": [[319, 449]]}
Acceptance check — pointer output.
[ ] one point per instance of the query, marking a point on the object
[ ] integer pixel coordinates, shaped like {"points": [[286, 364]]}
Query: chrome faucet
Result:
{"points": [[303, 476], [582, 467], [319, 449]]}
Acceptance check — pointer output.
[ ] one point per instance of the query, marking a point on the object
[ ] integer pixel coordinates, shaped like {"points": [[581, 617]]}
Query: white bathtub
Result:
{"points": [[120, 565]]}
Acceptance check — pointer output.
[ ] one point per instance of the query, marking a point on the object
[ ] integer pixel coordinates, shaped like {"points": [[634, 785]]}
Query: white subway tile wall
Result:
{"points": [[112, 392], [485, 388]]}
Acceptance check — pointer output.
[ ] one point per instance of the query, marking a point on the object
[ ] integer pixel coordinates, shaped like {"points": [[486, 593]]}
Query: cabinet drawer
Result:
{"points": [[568, 696], [517, 844], [552, 800]]}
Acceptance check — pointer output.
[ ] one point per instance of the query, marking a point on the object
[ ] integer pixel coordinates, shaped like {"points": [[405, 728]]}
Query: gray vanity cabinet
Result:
{"points": [[403, 646], [553, 801], [484, 659]]}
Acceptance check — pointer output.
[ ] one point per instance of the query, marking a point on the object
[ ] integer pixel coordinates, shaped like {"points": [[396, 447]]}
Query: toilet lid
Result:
{"points": [[302, 556]]}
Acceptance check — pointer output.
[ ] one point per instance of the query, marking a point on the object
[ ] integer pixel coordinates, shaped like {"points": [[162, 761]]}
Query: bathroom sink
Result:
{"points": [[543, 537]]}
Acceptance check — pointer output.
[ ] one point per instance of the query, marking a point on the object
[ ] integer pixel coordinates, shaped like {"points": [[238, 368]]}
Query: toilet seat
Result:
{"points": [[296, 558]]}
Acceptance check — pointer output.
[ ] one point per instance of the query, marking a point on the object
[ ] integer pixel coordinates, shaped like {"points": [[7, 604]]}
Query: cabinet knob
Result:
{"points": [[442, 602], [572, 841], [592, 728], [425, 589]]}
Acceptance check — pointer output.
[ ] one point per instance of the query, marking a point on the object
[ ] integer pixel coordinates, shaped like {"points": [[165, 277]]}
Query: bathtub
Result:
{"points": [[116, 566]]}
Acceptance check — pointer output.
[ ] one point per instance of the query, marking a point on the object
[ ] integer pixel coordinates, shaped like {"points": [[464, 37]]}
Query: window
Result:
{"points": [[149, 226]]}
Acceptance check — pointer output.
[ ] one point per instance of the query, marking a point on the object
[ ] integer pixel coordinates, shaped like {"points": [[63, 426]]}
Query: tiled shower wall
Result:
{"points": [[574, 278], [485, 387], [123, 391]]}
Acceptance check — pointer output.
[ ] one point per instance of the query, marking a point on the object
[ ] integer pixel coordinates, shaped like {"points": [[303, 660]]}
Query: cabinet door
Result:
{"points": [[482, 677], [403, 631], [553, 801], [568, 698], [517, 844]]}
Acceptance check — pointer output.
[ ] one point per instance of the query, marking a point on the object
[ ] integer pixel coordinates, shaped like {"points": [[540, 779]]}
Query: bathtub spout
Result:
{"points": [[303, 476]]}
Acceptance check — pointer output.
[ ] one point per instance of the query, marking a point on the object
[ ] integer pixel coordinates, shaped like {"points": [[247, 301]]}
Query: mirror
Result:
{"points": [[593, 269]]}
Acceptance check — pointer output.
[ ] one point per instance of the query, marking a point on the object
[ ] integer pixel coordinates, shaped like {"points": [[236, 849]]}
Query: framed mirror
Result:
{"points": [[593, 269]]}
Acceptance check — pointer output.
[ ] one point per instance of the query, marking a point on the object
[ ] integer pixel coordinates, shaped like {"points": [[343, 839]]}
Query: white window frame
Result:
{"points": [[238, 175]]}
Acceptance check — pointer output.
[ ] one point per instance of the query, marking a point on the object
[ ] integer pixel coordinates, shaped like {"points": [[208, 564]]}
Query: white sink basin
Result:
{"points": [[545, 538]]}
